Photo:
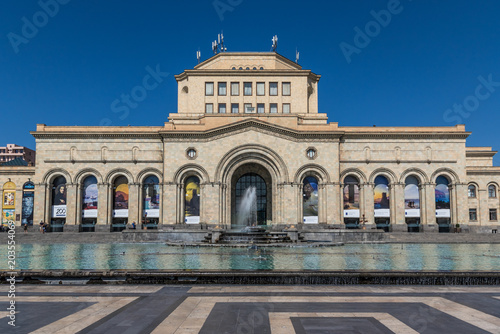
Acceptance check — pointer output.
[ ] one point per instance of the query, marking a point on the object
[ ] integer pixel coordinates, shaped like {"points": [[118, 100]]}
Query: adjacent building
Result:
{"points": [[247, 146], [13, 151]]}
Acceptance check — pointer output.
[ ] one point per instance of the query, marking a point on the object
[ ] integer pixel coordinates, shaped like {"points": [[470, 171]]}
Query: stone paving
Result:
{"points": [[252, 309]]}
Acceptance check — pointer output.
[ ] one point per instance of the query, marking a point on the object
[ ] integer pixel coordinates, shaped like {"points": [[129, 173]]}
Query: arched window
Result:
{"points": [[412, 204], [351, 201], [471, 191], [28, 203], [59, 197], [310, 200], [120, 197], [381, 193], [89, 197], [151, 197], [442, 194], [192, 200], [492, 191], [9, 202]]}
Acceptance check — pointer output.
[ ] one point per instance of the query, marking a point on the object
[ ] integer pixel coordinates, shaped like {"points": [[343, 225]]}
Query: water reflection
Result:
{"points": [[404, 257]]}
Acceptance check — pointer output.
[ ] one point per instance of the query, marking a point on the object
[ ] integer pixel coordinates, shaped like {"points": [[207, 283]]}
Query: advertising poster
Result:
{"points": [[89, 197], [58, 211], [9, 199], [192, 201], [151, 200], [412, 200], [351, 201], [120, 208], [7, 215], [442, 194], [310, 200], [28, 203], [381, 197]]}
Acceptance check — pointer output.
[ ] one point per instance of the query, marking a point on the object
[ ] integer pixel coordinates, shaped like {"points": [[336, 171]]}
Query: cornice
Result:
{"points": [[248, 125], [407, 135], [94, 135]]}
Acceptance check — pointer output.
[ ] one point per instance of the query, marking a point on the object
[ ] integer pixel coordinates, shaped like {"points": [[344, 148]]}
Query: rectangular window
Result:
{"points": [[286, 108], [248, 108], [273, 88], [235, 88], [222, 89], [261, 88], [472, 214], [222, 108], [235, 108], [260, 108], [209, 89], [286, 89], [274, 108], [493, 214], [247, 88], [209, 108]]}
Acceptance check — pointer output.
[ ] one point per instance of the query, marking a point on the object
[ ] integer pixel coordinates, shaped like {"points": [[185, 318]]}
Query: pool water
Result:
{"points": [[386, 257]]}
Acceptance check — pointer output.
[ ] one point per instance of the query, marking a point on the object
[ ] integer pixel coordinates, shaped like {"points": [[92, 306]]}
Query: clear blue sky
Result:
{"points": [[414, 68]]}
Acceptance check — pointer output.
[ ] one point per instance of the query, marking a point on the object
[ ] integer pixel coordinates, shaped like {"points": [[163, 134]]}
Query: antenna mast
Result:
{"points": [[297, 54], [218, 44], [198, 55]]}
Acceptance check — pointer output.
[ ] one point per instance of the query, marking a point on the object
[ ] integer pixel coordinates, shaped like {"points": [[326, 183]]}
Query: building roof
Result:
{"points": [[15, 162]]}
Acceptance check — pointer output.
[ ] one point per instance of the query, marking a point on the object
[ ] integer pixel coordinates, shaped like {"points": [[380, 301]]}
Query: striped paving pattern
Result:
{"points": [[252, 309]]}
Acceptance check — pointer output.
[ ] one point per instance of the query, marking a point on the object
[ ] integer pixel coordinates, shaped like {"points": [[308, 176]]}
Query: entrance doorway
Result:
{"points": [[251, 200]]}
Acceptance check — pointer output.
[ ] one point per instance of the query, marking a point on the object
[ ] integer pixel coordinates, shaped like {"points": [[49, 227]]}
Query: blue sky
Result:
{"points": [[409, 68]]}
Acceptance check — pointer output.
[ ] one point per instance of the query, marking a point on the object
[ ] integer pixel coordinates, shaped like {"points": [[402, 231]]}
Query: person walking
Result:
{"points": [[41, 226], [25, 228]]}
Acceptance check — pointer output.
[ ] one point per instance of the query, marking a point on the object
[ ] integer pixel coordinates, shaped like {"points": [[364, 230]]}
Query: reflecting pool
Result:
{"points": [[406, 257]]}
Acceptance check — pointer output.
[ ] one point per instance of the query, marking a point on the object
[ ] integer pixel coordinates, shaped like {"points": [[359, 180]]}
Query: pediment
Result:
{"points": [[248, 60]]}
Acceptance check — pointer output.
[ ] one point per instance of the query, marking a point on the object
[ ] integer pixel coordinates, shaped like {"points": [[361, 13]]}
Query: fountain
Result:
{"points": [[247, 211]]}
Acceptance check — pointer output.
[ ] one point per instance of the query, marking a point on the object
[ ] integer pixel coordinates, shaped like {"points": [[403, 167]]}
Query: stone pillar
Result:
{"points": [[70, 207], [461, 198], [48, 203], [169, 203], [133, 203], [111, 203], [18, 210], [341, 204], [430, 205], [160, 214], [103, 204], [483, 208], [140, 204], [332, 204], [182, 203], [39, 208], [366, 205], [398, 205], [78, 216], [300, 203], [322, 203]]}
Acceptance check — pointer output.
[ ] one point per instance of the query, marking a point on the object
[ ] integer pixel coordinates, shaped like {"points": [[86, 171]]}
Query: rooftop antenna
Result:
{"points": [[218, 44], [275, 43], [198, 55], [297, 54]]}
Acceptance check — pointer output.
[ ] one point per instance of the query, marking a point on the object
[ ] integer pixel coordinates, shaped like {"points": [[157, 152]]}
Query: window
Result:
{"points": [[247, 88], [235, 108], [248, 108], [472, 214], [209, 108], [209, 88], [191, 153], [222, 108], [472, 191], [260, 108], [286, 108], [311, 153], [274, 108], [493, 214], [286, 89], [222, 89], [235, 88], [273, 88], [261, 88], [492, 191]]}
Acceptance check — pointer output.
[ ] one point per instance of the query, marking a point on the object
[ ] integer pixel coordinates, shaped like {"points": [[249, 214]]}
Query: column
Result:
{"points": [[18, 210], [430, 204], [341, 206], [78, 215], [160, 215], [140, 203], [461, 197], [182, 203], [133, 201], [48, 203], [322, 203], [398, 204], [332, 204], [103, 204], [300, 203], [483, 208], [367, 205]]}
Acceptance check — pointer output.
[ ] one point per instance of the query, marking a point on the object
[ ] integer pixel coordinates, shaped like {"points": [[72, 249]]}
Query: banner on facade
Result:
{"points": [[151, 213], [412, 213], [384, 213], [90, 197], [89, 213], [27, 208], [58, 211], [192, 220], [7, 215], [311, 220], [310, 200], [351, 213], [443, 213], [120, 213]]}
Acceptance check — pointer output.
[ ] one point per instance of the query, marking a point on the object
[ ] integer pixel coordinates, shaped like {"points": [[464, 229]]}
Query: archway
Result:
{"points": [[251, 196]]}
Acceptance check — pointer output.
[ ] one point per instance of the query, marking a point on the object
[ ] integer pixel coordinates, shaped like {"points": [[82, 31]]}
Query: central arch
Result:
{"points": [[244, 178]]}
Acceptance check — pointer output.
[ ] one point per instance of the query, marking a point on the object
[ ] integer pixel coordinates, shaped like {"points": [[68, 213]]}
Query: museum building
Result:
{"points": [[248, 130]]}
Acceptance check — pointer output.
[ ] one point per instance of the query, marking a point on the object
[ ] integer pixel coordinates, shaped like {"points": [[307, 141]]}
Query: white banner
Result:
{"points": [[351, 213], [412, 213], [151, 213], [192, 220], [58, 211], [121, 213], [91, 213], [382, 212], [443, 213], [311, 220]]}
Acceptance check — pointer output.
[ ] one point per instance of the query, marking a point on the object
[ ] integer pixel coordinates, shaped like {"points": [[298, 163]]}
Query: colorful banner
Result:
{"points": [[9, 197], [192, 201], [310, 200], [27, 209], [90, 197], [151, 202], [7, 215], [381, 202], [351, 201], [120, 203]]}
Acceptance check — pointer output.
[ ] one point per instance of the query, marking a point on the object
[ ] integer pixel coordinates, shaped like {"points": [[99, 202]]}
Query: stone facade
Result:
{"points": [[283, 149]]}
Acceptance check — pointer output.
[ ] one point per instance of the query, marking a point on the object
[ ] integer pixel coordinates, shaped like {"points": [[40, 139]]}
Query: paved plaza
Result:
{"points": [[252, 309]]}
